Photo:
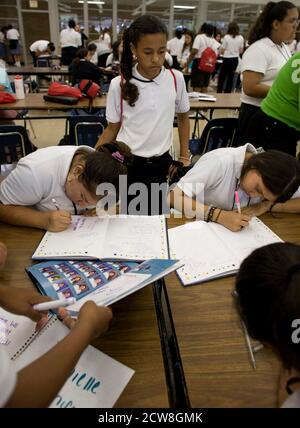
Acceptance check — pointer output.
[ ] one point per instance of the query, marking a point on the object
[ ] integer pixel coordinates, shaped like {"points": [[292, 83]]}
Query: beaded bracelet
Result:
{"points": [[207, 213], [218, 215], [210, 214]]}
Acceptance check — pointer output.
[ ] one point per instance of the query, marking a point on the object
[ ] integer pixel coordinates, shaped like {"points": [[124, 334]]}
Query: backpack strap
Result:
{"points": [[174, 77]]}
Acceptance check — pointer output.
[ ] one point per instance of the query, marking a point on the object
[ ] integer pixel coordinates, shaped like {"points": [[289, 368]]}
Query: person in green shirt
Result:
{"points": [[277, 124]]}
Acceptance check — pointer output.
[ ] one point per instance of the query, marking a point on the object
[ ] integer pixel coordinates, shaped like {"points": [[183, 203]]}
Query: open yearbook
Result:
{"points": [[102, 379], [122, 237], [210, 251], [100, 281]]}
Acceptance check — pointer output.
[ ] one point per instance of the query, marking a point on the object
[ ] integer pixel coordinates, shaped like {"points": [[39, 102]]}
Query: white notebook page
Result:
{"points": [[201, 251], [210, 250], [124, 237], [102, 378]]}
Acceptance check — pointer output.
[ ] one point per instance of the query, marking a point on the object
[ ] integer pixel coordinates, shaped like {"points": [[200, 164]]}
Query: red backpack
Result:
{"points": [[59, 89], [6, 97], [208, 60]]}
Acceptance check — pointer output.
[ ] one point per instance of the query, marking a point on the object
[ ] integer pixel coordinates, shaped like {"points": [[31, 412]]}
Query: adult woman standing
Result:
{"points": [[232, 47], [265, 56]]}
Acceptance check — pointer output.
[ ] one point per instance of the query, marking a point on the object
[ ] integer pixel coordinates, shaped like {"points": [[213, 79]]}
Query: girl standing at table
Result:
{"points": [[141, 104], [264, 182], [50, 184]]}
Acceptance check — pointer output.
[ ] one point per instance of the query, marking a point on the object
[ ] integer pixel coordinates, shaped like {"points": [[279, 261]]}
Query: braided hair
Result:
{"points": [[145, 24]]}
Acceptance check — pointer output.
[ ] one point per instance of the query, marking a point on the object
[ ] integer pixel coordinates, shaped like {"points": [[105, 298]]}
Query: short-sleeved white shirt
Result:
{"points": [[264, 57], [202, 42], [104, 43], [147, 128], [70, 37], [8, 377], [219, 173], [12, 34], [232, 46], [39, 45], [175, 46], [39, 177]]}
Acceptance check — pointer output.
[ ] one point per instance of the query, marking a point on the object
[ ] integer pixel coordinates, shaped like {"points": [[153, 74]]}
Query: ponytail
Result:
{"points": [[104, 165], [129, 91], [263, 24]]}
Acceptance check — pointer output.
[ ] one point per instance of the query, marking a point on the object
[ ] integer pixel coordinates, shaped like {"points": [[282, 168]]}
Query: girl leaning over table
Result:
{"points": [[265, 181], [49, 185]]}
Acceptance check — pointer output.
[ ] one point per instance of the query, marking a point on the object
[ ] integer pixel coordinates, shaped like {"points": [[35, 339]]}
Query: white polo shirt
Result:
{"points": [[232, 45], [70, 37], [39, 45], [202, 41], [218, 172], [147, 128], [264, 57], [175, 46], [8, 377], [39, 177], [12, 34]]}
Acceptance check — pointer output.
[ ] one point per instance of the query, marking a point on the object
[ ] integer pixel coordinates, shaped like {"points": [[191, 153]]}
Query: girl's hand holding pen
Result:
{"points": [[233, 220], [57, 221]]}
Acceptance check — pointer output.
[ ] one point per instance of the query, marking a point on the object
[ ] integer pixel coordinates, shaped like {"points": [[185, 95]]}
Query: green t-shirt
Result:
{"points": [[283, 99]]}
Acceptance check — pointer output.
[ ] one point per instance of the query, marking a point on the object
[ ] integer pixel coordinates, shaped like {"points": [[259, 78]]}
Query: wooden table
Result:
{"points": [[37, 102], [215, 359], [224, 101], [133, 337], [30, 70]]}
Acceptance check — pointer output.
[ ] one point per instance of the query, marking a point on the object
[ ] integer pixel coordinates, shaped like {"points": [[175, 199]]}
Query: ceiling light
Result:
{"points": [[92, 2], [184, 7]]}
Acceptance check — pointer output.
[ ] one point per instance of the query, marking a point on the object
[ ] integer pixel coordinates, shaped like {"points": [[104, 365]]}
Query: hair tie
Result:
{"points": [[118, 156]]}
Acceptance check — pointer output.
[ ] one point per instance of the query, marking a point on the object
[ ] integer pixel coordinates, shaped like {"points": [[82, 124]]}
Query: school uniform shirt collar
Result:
{"points": [[157, 79], [240, 158]]}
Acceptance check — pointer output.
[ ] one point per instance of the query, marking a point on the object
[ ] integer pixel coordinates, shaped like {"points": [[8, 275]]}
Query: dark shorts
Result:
{"points": [[199, 78]]}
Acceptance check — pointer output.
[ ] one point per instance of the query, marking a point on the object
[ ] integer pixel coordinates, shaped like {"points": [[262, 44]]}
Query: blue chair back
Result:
{"points": [[14, 143], [216, 134], [85, 130]]}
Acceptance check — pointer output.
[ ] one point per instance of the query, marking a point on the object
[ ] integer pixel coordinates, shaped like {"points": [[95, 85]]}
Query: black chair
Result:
{"points": [[85, 130], [14, 144], [216, 134]]}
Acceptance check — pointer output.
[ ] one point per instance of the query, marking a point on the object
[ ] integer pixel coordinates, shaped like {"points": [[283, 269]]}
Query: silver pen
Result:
{"points": [[249, 346]]}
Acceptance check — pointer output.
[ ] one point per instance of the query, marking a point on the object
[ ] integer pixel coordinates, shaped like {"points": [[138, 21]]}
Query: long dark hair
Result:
{"points": [[263, 24], [280, 172], [268, 298], [145, 24], [80, 54], [101, 167], [233, 29]]}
